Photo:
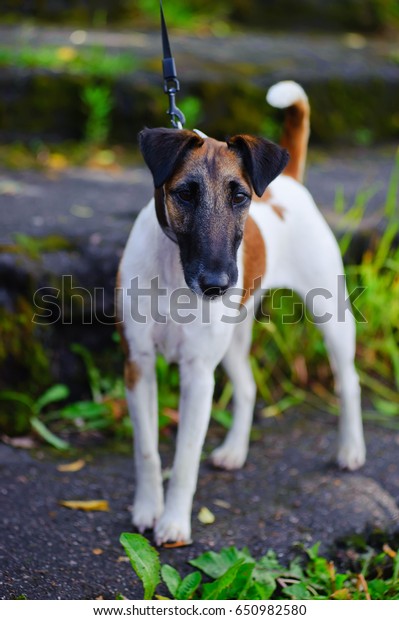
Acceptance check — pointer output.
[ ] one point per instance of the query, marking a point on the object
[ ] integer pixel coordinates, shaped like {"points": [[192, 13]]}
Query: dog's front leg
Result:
{"points": [[143, 408], [196, 390]]}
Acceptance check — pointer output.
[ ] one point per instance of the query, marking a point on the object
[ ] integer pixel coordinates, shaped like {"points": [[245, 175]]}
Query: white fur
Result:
{"points": [[285, 93], [302, 254]]}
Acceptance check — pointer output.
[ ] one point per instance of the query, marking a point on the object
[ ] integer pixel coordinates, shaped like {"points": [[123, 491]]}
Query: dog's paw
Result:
{"points": [[351, 455], [229, 457], [172, 528], [145, 514]]}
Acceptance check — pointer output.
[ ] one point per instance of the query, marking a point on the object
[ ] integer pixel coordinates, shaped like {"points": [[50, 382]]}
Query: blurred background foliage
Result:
{"points": [[363, 15], [80, 78]]}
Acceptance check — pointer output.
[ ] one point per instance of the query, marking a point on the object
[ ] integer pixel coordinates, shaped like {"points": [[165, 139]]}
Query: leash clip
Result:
{"points": [[171, 83]]}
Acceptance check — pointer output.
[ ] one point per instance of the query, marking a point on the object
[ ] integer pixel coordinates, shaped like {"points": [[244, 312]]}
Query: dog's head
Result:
{"points": [[208, 187]]}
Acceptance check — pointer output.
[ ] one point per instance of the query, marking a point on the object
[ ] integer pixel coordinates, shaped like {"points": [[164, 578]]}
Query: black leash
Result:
{"points": [[171, 87], [171, 83]]}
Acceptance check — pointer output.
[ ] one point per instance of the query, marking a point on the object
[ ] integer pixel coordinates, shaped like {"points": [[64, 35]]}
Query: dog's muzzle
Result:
{"points": [[214, 284]]}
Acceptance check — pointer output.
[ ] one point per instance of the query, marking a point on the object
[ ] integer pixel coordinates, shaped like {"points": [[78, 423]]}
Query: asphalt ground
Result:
{"points": [[290, 492]]}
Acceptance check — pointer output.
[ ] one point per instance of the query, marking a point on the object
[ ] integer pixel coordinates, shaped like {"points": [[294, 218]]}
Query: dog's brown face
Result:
{"points": [[208, 188]]}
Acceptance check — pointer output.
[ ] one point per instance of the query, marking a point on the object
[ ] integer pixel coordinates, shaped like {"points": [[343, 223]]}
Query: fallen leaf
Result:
{"points": [[178, 543], [97, 551], [26, 443], [82, 211], [222, 504], [57, 161], [205, 516], [88, 505], [172, 414], [271, 411], [71, 467], [123, 558], [389, 551]]}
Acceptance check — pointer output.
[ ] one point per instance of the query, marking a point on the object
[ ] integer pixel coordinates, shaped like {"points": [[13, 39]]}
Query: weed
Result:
{"points": [[35, 408], [99, 103], [289, 360], [235, 574]]}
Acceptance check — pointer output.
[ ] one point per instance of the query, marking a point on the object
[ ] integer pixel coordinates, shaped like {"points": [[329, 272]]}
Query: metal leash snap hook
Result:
{"points": [[171, 83]]}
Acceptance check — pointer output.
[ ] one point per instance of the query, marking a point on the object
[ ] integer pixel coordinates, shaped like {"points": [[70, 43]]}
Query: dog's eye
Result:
{"points": [[240, 199], [185, 196]]}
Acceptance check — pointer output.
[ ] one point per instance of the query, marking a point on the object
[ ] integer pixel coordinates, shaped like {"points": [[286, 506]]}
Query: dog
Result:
{"points": [[226, 216]]}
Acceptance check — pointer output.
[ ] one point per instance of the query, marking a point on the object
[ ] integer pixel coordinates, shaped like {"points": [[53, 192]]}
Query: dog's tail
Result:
{"points": [[291, 96]]}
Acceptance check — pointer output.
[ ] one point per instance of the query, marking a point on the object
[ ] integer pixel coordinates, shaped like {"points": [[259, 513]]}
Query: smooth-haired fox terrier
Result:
{"points": [[226, 217]]}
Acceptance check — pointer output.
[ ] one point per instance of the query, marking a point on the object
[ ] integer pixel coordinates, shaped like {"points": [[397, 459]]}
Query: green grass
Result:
{"points": [[233, 574]]}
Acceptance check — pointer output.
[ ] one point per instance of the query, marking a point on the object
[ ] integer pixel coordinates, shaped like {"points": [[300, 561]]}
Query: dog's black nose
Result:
{"points": [[214, 284]]}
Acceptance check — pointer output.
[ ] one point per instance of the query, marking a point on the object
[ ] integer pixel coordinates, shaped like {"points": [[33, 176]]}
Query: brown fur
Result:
{"points": [[131, 374], [216, 160], [267, 195], [131, 370], [254, 258], [279, 211], [295, 138]]}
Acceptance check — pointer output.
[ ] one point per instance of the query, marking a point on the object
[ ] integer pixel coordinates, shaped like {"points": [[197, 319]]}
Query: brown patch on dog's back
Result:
{"points": [[279, 211], [254, 258]]}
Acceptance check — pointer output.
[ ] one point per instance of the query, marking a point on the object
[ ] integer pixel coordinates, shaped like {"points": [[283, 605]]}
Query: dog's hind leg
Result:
{"points": [[143, 408], [196, 385], [340, 338], [233, 452], [336, 322]]}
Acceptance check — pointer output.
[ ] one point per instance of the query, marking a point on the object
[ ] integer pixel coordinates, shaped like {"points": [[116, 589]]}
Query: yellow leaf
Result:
{"points": [[93, 504], [271, 411], [177, 544], [97, 551], [159, 597], [389, 551], [71, 467], [222, 504], [81, 211], [57, 161], [66, 54], [206, 516]]}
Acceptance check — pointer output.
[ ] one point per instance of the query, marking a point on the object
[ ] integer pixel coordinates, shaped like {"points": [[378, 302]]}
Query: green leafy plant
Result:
{"points": [[235, 574], [35, 408]]}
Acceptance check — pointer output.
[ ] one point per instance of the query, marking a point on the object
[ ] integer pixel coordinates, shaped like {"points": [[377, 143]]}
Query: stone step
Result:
{"points": [[352, 82]]}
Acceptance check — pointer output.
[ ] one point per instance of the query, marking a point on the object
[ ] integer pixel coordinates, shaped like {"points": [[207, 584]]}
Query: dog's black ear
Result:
{"points": [[263, 160], [163, 150]]}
